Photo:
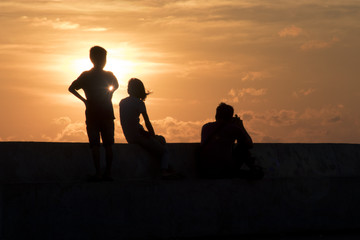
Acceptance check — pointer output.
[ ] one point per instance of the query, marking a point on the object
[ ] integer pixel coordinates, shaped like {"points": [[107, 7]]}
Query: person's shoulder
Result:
{"points": [[109, 74], [85, 74], [82, 77], [131, 99], [209, 124], [126, 99]]}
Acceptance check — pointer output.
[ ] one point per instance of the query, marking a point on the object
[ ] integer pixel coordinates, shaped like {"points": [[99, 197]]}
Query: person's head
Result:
{"points": [[98, 56], [136, 89], [224, 112]]}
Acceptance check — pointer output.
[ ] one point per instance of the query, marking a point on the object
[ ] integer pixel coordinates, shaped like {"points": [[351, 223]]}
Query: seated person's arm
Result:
{"points": [[243, 135], [148, 123]]}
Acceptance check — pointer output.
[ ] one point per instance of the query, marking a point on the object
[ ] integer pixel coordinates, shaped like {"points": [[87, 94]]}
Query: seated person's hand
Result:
{"points": [[237, 120]]}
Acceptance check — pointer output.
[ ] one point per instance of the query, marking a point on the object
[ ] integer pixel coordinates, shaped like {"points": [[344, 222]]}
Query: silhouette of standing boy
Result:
{"points": [[98, 86]]}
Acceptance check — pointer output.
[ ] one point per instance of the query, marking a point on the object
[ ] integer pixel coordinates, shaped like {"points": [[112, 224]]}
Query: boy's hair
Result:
{"points": [[136, 88], [98, 55], [224, 112]]}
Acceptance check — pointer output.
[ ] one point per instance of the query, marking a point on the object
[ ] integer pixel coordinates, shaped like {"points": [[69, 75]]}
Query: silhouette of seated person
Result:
{"points": [[131, 108], [219, 155]]}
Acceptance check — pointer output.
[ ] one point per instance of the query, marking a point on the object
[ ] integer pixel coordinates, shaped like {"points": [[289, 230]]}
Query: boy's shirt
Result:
{"points": [[96, 84]]}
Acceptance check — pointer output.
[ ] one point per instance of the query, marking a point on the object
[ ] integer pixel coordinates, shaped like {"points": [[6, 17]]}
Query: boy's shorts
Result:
{"points": [[105, 128]]}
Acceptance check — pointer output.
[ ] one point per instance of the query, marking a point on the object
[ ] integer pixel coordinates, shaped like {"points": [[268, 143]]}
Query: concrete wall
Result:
{"points": [[44, 195], [45, 162]]}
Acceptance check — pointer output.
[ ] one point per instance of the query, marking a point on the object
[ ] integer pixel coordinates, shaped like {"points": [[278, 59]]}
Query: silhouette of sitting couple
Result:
{"points": [[99, 86]]}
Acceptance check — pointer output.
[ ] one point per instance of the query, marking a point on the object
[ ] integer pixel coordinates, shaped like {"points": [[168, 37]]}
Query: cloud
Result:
{"points": [[251, 91], [324, 116], [325, 124], [251, 76], [99, 29], [317, 44], [282, 118], [179, 131], [62, 121], [235, 95], [193, 67], [272, 118], [57, 23], [303, 92], [69, 131], [291, 31], [172, 129]]}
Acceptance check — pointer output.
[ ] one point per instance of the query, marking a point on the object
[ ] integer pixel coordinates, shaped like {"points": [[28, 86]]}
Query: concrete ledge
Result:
{"points": [[53, 162], [44, 162], [43, 195]]}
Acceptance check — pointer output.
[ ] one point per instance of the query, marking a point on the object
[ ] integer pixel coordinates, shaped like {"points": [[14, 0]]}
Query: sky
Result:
{"points": [[289, 68]]}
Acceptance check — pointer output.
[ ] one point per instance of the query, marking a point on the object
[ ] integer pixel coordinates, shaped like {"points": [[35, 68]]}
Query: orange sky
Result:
{"points": [[289, 68]]}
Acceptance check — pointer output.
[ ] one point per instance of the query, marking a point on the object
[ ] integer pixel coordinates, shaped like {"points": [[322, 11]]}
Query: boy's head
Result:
{"points": [[224, 112], [98, 56]]}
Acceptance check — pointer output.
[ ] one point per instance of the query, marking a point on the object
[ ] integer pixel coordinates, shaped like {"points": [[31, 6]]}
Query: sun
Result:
{"points": [[122, 69]]}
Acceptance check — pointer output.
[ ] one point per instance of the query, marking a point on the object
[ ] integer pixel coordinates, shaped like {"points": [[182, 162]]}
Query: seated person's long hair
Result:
{"points": [[136, 89]]}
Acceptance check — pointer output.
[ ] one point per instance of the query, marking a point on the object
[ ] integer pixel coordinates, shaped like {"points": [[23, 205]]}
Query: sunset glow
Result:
{"points": [[289, 68], [122, 69]]}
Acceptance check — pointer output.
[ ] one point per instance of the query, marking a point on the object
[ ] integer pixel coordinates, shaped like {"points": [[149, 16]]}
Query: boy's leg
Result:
{"points": [[95, 150], [107, 135], [94, 140], [109, 159]]}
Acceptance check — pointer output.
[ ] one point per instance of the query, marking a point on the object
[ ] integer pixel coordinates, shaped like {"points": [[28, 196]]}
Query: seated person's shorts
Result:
{"points": [[103, 127]]}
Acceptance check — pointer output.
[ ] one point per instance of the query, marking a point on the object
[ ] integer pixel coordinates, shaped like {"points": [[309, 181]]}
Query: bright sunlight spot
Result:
{"points": [[122, 69]]}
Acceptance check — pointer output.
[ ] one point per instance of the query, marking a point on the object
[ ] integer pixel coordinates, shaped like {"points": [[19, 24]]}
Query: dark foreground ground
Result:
{"points": [[317, 236], [310, 191]]}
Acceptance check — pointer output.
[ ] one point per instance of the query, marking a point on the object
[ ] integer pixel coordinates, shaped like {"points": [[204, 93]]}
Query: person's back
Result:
{"points": [[130, 110], [218, 141]]}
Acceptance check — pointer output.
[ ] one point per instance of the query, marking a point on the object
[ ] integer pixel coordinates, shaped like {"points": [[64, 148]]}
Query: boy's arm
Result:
{"points": [[114, 85], [148, 123], [113, 82], [76, 93]]}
